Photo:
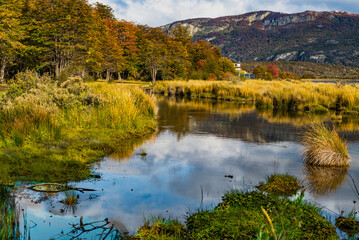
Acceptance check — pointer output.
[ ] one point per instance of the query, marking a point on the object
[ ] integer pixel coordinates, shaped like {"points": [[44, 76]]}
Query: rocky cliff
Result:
{"points": [[320, 37]]}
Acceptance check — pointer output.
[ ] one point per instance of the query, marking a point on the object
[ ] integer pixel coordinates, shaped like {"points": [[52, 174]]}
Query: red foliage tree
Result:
{"points": [[273, 69]]}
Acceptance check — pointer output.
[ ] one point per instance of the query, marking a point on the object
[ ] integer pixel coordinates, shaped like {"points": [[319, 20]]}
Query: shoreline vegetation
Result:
{"points": [[290, 96], [52, 131], [248, 215]]}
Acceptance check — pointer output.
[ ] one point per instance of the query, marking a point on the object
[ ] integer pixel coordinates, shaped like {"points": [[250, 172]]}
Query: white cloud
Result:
{"points": [[160, 12]]}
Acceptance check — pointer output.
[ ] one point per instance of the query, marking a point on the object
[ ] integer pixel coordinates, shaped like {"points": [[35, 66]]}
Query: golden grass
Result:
{"points": [[324, 147], [267, 92], [52, 141], [124, 107]]}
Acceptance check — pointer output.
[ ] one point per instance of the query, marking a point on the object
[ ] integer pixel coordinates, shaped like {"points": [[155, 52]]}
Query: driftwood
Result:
{"points": [[56, 187]]}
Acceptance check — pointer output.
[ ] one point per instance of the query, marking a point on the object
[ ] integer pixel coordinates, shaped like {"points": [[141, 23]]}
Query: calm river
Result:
{"points": [[202, 149]]}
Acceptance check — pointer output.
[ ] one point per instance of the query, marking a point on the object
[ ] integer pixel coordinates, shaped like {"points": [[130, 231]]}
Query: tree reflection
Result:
{"points": [[127, 148], [100, 230], [237, 120]]}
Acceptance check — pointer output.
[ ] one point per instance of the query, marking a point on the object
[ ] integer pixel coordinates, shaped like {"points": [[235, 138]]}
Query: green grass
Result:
{"points": [[324, 147], [161, 228], [251, 215], [51, 131]]}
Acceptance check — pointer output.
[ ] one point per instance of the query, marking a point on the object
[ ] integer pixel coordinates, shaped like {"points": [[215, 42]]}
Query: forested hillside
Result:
{"points": [[72, 37], [319, 37]]}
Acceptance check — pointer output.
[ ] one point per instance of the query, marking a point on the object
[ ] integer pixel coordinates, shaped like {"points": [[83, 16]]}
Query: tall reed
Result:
{"points": [[324, 147]]}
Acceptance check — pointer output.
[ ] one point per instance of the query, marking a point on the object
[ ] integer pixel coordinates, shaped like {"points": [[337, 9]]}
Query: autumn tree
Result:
{"points": [[11, 33], [178, 61], [208, 62], [62, 31], [127, 39], [154, 50], [259, 72], [105, 53], [273, 70]]}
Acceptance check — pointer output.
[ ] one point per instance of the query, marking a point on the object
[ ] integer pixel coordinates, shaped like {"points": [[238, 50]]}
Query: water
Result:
{"points": [[197, 145]]}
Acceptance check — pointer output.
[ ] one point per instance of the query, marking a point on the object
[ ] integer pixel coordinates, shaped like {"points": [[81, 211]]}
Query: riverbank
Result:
{"points": [[51, 131], [292, 96]]}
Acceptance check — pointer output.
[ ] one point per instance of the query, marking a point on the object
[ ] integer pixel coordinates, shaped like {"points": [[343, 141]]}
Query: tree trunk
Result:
{"points": [[119, 77], [2, 71], [107, 75], [57, 70], [153, 74]]}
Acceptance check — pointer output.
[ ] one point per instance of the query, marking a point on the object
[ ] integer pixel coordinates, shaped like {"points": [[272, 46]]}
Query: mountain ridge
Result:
{"points": [[310, 36]]}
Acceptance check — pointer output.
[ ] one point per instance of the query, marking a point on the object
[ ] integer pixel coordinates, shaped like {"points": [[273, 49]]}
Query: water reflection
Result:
{"points": [[9, 216], [198, 143], [324, 181], [102, 229]]}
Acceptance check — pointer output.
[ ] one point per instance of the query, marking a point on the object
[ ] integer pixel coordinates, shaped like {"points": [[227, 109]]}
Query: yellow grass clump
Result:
{"points": [[324, 147]]}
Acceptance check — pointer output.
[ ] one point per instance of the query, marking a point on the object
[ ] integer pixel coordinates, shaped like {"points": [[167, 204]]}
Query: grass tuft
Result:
{"points": [[324, 147], [71, 198]]}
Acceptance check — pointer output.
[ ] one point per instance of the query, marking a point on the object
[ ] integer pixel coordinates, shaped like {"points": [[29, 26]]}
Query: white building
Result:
{"points": [[237, 66]]}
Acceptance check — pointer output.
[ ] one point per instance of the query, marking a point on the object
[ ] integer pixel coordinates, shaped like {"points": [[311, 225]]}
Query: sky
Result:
{"points": [[156, 13]]}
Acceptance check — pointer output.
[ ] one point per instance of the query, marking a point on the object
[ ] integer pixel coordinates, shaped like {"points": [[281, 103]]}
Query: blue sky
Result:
{"points": [[160, 12]]}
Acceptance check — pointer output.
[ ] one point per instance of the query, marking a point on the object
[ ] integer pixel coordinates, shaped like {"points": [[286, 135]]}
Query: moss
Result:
{"points": [[239, 216], [348, 225], [281, 185]]}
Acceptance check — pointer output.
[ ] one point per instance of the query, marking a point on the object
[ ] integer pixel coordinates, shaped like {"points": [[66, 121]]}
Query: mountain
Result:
{"points": [[320, 37]]}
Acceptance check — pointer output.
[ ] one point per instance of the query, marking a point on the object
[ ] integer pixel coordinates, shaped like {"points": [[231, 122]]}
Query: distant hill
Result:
{"points": [[317, 70], [319, 37]]}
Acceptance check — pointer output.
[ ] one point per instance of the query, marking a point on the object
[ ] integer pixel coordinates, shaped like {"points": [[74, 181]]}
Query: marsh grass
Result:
{"points": [[324, 147], [158, 227], [71, 198], [50, 131], [9, 215], [277, 95]]}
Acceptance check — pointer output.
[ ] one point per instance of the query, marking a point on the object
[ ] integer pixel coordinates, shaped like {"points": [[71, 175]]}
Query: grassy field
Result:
{"points": [[294, 96], [52, 131]]}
